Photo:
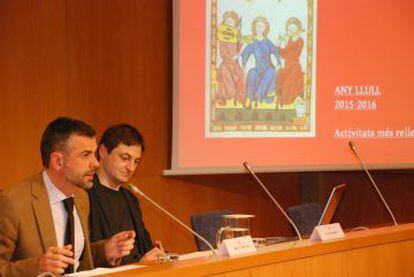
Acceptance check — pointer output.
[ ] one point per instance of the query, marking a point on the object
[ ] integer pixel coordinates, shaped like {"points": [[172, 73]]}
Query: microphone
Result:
{"points": [[353, 148], [139, 192], [250, 170]]}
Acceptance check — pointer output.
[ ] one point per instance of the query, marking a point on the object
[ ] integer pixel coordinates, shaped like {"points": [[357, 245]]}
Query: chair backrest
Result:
{"points": [[305, 216], [207, 224]]}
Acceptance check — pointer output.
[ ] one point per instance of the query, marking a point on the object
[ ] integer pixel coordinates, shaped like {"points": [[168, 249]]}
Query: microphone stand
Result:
{"points": [[354, 150], [139, 192], [250, 170]]}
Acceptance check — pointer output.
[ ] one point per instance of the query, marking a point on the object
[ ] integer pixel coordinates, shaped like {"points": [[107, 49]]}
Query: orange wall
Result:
{"points": [[108, 61]]}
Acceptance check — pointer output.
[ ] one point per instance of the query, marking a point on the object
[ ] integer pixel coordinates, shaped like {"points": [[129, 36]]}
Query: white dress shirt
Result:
{"points": [[60, 216]]}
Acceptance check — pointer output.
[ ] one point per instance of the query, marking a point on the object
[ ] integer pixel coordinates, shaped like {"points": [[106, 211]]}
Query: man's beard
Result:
{"points": [[80, 182], [84, 184]]}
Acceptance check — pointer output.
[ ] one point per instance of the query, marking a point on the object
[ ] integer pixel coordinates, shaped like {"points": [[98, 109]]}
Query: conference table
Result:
{"points": [[384, 251]]}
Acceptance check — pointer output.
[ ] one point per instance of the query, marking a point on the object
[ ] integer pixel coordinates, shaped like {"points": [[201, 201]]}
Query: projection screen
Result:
{"points": [[286, 84]]}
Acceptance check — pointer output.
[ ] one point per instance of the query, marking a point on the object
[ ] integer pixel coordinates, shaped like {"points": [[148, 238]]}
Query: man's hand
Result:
{"points": [[118, 246], [158, 244], [154, 253], [56, 259]]}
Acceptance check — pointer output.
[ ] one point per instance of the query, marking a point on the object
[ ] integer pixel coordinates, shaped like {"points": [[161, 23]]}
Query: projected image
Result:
{"points": [[260, 66]]}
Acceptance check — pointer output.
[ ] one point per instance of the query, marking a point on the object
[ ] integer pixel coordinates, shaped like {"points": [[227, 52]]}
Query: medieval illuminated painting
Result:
{"points": [[260, 68]]}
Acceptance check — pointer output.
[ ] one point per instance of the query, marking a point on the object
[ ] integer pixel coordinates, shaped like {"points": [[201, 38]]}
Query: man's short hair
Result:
{"points": [[58, 132], [121, 133]]}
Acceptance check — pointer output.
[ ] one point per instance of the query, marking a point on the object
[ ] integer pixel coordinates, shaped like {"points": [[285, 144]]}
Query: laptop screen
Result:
{"points": [[332, 204]]}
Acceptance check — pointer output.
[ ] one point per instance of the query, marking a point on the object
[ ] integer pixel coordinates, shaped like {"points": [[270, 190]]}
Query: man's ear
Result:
{"points": [[56, 161], [103, 151]]}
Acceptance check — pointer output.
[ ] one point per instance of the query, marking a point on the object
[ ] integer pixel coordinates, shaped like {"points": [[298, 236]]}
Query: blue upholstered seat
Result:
{"points": [[206, 224], [305, 216]]}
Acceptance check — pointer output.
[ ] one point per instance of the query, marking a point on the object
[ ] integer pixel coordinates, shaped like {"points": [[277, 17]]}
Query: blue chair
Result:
{"points": [[207, 224], [305, 216]]}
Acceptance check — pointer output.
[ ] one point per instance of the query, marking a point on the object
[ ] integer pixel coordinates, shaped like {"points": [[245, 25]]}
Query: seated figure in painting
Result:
{"points": [[261, 78], [290, 79], [230, 75]]}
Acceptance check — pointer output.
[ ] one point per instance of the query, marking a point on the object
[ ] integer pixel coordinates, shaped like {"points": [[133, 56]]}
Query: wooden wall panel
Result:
{"points": [[32, 80], [361, 206], [106, 61]]}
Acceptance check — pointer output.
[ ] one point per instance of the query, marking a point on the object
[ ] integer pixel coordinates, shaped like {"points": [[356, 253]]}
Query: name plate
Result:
{"points": [[327, 232], [237, 246]]}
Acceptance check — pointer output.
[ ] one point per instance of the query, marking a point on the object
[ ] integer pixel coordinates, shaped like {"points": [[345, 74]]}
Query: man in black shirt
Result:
{"points": [[114, 208]]}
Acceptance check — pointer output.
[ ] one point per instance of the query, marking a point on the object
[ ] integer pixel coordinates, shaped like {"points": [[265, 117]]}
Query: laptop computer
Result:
{"points": [[332, 204], [326, 217]]}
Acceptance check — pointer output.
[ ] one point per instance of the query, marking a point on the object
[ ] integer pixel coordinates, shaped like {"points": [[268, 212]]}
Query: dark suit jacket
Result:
{"points": [[27, 229]]}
